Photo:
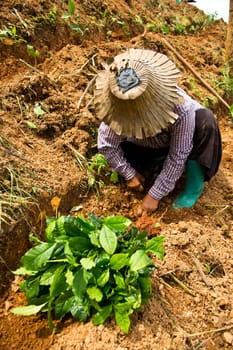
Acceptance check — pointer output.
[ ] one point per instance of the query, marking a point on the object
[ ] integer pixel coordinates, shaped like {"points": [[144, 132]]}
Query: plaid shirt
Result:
{"points": [[178, 137]]}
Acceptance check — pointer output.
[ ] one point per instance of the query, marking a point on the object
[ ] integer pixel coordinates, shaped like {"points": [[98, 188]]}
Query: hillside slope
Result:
{"points": [[48, 124]]}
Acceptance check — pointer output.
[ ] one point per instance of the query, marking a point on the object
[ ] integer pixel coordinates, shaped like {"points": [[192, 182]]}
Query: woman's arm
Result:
{"points": [[181, 144], [108, 143]]}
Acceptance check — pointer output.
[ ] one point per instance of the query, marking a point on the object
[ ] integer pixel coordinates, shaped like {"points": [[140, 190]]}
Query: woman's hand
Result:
{"points": [[149, 205], [136, 183]]}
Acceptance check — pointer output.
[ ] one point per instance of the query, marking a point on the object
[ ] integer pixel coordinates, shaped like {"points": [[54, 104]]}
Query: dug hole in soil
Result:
{"points": [[190, 308]]}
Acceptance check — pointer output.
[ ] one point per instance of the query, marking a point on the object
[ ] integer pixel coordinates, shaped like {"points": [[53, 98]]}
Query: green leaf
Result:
{"points": [[27, 310], [119, 260], [94, 238], [108, 240], [14, 31], [231, 111], [139, 260], [34, 239], [63, 305], [98, 161], [38, 256], [119, 279], [34, 53], [123, 321], [76, 27], [32, 287], [101, 316], [69, 277], [22, 271], [123, 307], [95, 293], [70, 226], [69, 255], [31, 125], [66, 16], [86, 226], [114, 177], [102, 259], [71, 6], [58, 284], [87, 263], [132, 277], [38, 110], [134, 299], [51, 230], [60, 224], [77, 226], [145, 285], [103, 278], [95, 220], [155, 245], [116, 223], [81, 278], [80, 309], [80, 244]]}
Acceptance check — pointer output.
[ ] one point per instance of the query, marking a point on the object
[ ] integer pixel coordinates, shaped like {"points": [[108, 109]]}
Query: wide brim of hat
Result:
{"points": [[146, 109]]}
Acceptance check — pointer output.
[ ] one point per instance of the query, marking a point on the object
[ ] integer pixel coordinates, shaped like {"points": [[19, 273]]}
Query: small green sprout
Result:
{"points": [[30, 125], [38, 110], [208, 268], [33, 52]]}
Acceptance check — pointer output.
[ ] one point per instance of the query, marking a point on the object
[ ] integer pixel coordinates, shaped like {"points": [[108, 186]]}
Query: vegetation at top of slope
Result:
{"points": [[21, 27]]}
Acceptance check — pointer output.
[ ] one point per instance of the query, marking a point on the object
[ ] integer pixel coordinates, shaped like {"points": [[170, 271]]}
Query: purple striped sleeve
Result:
{"points": [[181, 144], [109, 146]]}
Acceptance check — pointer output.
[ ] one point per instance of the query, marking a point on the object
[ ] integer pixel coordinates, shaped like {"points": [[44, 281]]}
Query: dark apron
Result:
{"points": [[207, 147]]}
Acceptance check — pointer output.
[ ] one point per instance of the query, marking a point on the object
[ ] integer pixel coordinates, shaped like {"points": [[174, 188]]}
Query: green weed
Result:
{"points": [[193, 85], [181, 25], [210, 101], [11, 34], [13, 196], [51, 18], [226, 83], [73, 20], [110, 22]]}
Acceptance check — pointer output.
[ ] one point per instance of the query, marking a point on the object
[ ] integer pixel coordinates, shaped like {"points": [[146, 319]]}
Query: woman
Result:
{"points": [[147, 120]]}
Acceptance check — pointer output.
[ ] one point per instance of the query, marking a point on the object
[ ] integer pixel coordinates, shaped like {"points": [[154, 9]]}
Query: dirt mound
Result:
{"points": [[50, 54]]}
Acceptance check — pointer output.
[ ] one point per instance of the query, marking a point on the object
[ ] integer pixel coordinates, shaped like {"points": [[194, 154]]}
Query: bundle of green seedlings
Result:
{"points": [[89, 268]]}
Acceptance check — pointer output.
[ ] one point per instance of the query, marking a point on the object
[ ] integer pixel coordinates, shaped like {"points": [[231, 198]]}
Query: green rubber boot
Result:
{"points": [[193, 188]]}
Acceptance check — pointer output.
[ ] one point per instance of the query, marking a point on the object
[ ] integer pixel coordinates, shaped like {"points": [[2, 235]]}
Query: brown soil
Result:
{"points": [[42, 162]]}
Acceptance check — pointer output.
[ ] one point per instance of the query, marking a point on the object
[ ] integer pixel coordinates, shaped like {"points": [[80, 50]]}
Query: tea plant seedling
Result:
{"points": [[33, 52], [98, 164], [96, 169], [94, 267]]}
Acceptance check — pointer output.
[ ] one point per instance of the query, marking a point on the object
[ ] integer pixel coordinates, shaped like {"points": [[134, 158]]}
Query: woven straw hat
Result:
{"points": [[135, 95]]}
